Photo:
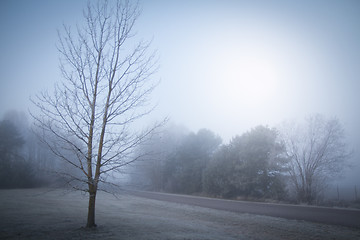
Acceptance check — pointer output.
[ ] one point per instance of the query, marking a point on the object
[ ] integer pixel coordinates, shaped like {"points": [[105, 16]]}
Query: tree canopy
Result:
{"points": [[251, 165]]}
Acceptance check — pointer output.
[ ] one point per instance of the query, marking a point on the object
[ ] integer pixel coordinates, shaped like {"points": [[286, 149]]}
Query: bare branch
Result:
{"points": [[317, 151], [107, 83]]}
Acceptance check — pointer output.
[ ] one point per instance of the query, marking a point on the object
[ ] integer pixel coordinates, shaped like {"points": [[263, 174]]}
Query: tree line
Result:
{"points": [[295, 161], [26, 161]]}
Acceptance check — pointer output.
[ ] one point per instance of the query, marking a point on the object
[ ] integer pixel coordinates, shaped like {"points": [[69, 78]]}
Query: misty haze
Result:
{"points": [[157, 119]]}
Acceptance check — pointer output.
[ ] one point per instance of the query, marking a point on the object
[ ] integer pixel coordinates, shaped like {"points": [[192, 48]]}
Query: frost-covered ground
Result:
{"points": [[56, 214]]}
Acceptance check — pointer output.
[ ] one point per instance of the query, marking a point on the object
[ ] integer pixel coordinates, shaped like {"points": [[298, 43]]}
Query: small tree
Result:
{"points": [[106, 85], [317, 153]]}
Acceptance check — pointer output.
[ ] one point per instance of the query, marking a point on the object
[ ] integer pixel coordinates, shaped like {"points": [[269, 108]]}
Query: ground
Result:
{"points": [[58, 214]]}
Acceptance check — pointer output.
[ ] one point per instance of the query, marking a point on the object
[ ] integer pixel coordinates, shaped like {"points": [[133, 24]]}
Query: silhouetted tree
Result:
{"points": [[185, 167], [177, 162], [217, 179], [251, 165], [149, 173], [15, 171], [106, 86], [35, 156], [318, 152]]}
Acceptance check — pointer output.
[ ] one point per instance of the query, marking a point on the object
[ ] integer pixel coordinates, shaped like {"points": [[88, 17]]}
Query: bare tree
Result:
{"points": [[317, 152], [106, 87]]}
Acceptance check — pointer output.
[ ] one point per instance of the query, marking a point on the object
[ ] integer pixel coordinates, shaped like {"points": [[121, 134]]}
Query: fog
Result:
{"points": [[227, 66]]}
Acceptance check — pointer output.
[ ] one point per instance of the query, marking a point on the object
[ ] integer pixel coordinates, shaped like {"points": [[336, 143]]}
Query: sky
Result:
{"points": [[224, 65]]}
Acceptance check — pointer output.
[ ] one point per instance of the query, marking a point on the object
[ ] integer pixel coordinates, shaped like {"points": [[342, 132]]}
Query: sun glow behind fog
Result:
{"points": [[230, 69], [247, 77], [250, 79]]}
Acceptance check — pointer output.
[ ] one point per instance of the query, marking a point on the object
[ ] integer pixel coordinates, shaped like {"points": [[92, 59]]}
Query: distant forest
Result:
{"points": [[295, 163], [25, 161], [252, 165]]}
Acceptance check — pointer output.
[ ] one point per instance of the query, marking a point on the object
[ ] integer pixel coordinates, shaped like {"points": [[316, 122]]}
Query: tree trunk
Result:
{"points": [[91, 210]]}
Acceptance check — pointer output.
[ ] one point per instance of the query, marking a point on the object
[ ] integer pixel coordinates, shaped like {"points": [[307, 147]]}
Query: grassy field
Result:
{"points": [[57, 214]]}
